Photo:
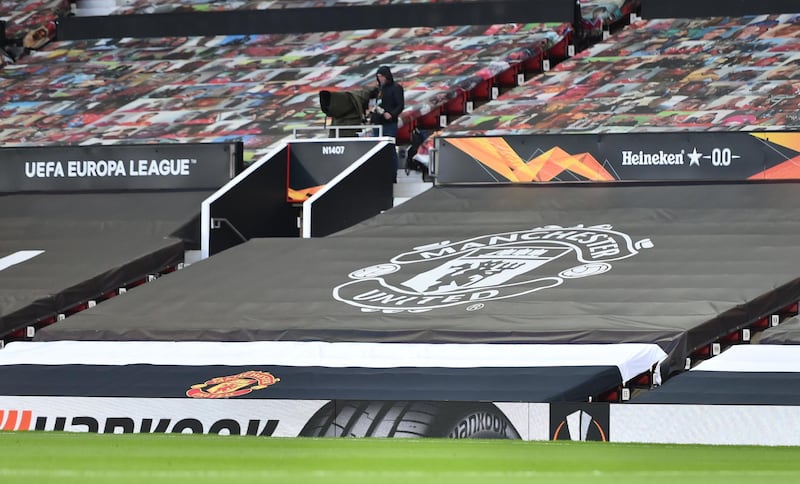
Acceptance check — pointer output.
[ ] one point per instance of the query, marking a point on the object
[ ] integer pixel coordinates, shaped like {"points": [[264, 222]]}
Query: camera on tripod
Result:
{"points": [[346, 108]]}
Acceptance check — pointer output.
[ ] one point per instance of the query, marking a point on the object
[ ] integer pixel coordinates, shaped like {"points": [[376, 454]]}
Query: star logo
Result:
{"points": [[694, 157]]}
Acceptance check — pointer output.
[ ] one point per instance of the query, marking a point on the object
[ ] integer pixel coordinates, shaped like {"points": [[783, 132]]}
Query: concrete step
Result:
{"points": [[408, 186]]}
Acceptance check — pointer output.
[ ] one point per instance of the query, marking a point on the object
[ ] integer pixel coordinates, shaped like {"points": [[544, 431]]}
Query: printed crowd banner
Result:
{"points": [[700, 156]]}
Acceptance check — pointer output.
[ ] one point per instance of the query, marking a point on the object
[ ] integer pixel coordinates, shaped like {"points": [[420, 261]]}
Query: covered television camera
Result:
{"points": [[346, 108]]}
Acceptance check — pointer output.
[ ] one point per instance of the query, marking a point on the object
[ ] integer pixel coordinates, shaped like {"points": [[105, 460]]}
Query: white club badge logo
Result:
{"points": [[485, 268]]}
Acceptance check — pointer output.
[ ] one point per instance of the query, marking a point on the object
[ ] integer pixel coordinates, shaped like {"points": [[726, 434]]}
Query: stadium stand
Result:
{"points": [[118, 91], [22, 17], [255, 88], [661, 75], [149, 6], [505, 306], [70, 239], [28, 26], [596, 20]]}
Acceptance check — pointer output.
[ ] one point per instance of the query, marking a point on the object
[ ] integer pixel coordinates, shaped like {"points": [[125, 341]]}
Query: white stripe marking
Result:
{"points": [[18, 257], [631, 358]]}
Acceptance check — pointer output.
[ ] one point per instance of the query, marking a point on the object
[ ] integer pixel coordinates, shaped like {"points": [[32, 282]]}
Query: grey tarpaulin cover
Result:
{"points": [[788, 333], [674, 265], [77, 246], [758, 374]]}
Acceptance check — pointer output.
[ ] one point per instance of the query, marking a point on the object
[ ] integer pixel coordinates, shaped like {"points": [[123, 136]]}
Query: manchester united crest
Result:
{"points": [[232, 386], [489, 267]]}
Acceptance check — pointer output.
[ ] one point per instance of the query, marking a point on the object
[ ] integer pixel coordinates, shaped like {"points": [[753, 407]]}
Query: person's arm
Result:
{"points": [[399, 99]]}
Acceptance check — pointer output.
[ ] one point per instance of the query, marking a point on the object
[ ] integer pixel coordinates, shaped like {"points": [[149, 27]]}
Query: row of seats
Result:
{"points": [[28, 15], [592, 11], [662, 75], [257, 88], [597, 16], [127, 7], [24, 16]]}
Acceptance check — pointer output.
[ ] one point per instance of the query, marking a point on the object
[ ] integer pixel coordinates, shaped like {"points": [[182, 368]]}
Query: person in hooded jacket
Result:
{"points": [[390, 103]]}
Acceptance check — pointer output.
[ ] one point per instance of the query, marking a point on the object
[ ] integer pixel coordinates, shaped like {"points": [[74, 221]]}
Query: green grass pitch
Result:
{"points": [[64, 458]]}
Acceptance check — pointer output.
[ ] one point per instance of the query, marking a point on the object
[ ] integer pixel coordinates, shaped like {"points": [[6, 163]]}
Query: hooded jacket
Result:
{"points": [[390, 97]]}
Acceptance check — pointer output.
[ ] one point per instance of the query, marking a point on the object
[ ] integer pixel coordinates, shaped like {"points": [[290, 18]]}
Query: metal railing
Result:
{"points": [[363, 129]]}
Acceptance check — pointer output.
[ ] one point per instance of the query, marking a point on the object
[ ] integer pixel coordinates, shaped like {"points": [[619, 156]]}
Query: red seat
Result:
{"points": [[404, 132], [430, 120], [458, 104], [534, 63], [508, 78], [561, 49], [483, 91]]}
